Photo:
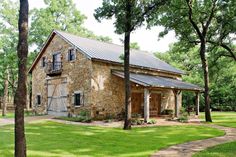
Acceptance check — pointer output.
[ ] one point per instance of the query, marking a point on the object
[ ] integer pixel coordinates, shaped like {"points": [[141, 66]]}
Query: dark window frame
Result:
{"points": [[77, 99], [71, 55], [39, 99], [43, 61]]}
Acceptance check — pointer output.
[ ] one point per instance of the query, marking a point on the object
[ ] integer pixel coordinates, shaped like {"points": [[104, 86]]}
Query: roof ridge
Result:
{"points": [[104, 42]]}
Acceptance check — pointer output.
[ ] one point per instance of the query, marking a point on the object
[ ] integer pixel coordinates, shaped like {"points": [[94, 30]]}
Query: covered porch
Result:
{"points": [[150, 95]]}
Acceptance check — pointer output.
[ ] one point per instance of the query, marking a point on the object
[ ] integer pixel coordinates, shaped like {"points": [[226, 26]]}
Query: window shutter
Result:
{"points": [[73, 99], [74, 52], [41, 62], [67, 56], [82, 99]]}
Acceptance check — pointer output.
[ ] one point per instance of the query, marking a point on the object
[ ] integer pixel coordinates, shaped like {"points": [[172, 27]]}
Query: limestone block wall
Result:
{"points": [[108, 90], [103, 93], [77, 74]]}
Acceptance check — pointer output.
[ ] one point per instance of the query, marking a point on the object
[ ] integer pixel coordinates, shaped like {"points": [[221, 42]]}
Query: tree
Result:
{"points": [[134, 45], [20, 98], [129, 15], [5, 96], [61, 15], [8, 44], [221, 73], [200, 23]]}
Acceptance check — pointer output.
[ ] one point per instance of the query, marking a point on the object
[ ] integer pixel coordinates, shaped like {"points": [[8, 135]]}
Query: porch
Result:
{"points": [[152, 94]]}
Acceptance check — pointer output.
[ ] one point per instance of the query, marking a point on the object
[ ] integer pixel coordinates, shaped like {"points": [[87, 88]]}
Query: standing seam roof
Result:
{"points": [[112, 52]]}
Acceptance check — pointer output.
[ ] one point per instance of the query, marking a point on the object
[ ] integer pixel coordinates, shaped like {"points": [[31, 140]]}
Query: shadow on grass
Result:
{"points": [[54, 139]]}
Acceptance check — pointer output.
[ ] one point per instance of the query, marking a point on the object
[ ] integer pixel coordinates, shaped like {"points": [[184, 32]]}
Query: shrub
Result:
{"points": [[136, 115], [152, 121], [183, 115], [167, 112]]}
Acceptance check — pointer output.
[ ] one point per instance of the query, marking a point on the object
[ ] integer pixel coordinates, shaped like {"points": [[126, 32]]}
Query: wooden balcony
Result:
{"points": [[53, 68]]}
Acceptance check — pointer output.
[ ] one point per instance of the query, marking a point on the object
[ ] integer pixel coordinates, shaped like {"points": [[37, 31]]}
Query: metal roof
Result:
{"points": [[157, 81], [111, 52]]}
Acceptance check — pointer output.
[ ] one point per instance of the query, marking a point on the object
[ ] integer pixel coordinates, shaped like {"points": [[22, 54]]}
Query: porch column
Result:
{"points": [[146, 104], [197, 99], [176, 103]]}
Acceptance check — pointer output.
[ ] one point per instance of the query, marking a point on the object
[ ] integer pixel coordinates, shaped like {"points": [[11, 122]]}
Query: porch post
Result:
{"points": [[146, 104], [197, 99], [176, 103]]}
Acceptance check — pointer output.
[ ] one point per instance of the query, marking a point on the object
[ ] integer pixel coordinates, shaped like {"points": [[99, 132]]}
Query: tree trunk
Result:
{"points": [[206, 81], [21, 91], [127, 124], [5, 97]]}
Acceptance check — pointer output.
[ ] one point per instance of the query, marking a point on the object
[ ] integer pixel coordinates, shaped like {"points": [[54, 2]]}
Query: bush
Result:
{"points": [[152, 121], [136, 115], [183, 115], [167, 112]]}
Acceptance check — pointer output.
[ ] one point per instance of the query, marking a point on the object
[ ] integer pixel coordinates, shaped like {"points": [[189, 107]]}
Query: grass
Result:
{"points": [[12, 114], [227, 119], [50, 139], [223, 150], [222, 118]]}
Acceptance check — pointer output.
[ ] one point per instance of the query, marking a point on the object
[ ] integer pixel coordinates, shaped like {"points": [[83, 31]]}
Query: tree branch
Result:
{"points": [[226, 47], [206, 26], [190, 13]]}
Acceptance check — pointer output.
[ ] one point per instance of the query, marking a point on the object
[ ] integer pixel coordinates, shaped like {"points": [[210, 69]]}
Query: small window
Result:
{"points": [[71, 55], [38, 99], [77, 99], [43, 62]]}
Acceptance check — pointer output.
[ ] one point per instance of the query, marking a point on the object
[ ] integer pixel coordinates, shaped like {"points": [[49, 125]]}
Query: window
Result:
{"points": [[77, 99], [56, 61], [43, 62], [71, 54], [38, 99]]}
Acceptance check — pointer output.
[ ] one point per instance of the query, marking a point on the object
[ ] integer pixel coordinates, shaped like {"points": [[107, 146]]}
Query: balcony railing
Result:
{"points": [[53, 68]]}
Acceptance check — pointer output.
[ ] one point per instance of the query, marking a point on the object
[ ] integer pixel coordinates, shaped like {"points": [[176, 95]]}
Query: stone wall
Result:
{"points": [[103, 92], [108, 90], [77, 74]]}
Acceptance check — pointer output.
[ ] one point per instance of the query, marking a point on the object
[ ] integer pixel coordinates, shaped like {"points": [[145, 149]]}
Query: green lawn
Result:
{"points": [[222, 118], [50, 139], [224, 150], [12, 114]]}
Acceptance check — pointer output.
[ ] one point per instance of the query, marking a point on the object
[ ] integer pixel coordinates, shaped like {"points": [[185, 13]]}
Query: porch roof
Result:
{"points": [[158, 82]]}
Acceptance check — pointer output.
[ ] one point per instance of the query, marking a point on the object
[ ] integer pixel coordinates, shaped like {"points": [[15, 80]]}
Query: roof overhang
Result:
{"points": [[159, 82]]}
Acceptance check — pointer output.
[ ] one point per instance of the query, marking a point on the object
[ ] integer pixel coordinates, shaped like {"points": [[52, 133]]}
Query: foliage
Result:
{"points": [[167, 112], [48, 139], [152, 121], [61, 15], [222, 75], [183, 115], [129, 15]]}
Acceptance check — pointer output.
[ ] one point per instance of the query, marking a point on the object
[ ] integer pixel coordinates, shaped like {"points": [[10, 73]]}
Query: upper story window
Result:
{"points": [[56, 61], [71, 54], [43, 62]]}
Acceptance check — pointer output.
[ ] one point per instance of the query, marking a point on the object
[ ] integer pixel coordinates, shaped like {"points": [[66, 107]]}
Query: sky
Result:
{"points": [[146, 38]]}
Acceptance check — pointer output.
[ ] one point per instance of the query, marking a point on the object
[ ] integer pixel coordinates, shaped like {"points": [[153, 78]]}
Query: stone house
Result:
{"points": [[72, 73]]}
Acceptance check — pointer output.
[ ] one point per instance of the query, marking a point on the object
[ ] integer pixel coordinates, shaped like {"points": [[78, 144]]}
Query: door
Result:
{"points": [[57, 98], [137, 103], [155, 104]]}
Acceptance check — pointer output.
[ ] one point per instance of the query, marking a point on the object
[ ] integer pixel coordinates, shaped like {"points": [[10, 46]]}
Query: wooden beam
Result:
{"points": [[146, 104], [176, 93], [197, 100]]}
